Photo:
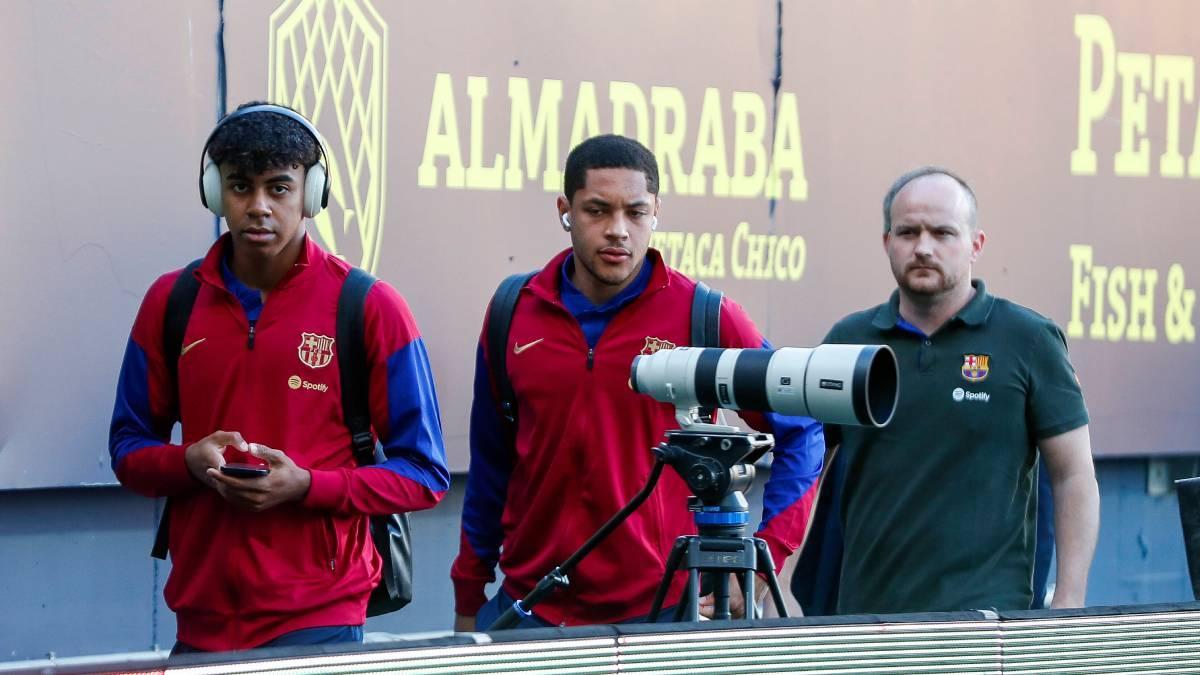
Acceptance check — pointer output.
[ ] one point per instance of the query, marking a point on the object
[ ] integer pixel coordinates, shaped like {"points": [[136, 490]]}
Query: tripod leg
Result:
{"points": [[691, 596], [684, 603], [748, 594], [767, 567], [683, 608], [673, 560], [689, 602], [721, 597]]}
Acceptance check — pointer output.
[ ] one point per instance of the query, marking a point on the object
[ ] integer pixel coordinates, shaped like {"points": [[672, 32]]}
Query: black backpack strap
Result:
{"points": [[706, 316], [706, 324], [179, 311], [352, 363], [391, 534], [175, 320], [500, 314]]}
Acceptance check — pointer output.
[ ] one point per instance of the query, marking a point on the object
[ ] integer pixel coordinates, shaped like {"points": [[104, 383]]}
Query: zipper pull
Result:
{"points": [[591, 357], [332, 567], [250, 337]]}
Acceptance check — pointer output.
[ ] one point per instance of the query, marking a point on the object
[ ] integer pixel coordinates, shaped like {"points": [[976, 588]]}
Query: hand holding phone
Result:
{"points": [[208, 453], [258, 486], [241, 470]]}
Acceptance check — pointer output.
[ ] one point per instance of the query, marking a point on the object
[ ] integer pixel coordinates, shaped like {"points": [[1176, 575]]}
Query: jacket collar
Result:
{"points": [[546, 284], [210, 270]]}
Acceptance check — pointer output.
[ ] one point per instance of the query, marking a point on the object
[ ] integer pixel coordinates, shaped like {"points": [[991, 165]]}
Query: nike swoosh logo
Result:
{"points": [[189, 347], [517, 349]]}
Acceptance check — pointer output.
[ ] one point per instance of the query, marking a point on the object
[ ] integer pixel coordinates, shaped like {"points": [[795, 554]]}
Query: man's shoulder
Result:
{"points": [[385, 312], [384, 299], [1015, 317], [166, 281], [681, 283], [160, 289], [735, 320], [856, 323]]}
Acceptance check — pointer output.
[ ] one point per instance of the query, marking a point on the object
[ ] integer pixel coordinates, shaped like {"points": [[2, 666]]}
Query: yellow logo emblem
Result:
{"points": [[654, 344], [189, 347], [975, 367], [316, 351], [296, 382], [517, 349], [328, 60]]}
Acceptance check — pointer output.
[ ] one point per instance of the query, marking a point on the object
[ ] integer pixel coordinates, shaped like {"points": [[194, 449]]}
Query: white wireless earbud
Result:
{"points": [[566, 223], [654, 223]]}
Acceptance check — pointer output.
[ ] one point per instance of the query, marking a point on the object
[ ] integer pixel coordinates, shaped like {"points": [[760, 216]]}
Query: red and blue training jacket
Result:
{"points": [[270, 372], [582, 451]]}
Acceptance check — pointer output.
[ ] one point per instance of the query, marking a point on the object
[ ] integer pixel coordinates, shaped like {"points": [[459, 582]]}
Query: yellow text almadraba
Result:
{"points": [[759, 162]]}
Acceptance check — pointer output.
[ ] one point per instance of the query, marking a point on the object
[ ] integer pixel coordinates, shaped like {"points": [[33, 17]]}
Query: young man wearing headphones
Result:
{"points": [[583, 437], [281, 558]]}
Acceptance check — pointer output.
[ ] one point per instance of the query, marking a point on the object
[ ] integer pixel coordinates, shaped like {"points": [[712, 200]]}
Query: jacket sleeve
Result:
{"points": [[486, 496], [404, 417], [146, 408], [798, 455]]}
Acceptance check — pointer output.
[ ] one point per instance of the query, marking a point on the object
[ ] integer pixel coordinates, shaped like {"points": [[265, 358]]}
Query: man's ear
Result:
{"points": [[564, 210], [977, 241]]}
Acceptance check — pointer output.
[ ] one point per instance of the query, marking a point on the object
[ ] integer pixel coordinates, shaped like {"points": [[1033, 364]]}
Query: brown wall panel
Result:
{"points": [[107, 105]]}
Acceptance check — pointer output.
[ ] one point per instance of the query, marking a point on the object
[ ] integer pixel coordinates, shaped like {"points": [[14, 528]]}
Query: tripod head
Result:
{"points": [[715, 460]]}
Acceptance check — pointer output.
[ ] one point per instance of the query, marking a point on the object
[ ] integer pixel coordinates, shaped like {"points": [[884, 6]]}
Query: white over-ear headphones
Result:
{"points": [[316, 180]]}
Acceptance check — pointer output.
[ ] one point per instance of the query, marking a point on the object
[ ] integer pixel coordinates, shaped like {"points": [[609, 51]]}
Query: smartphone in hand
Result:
{"points": [[240, 470]]}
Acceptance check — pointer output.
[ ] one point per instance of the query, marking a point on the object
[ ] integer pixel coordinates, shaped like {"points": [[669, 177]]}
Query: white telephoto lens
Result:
{"points": [[668, 375], [836, 384]]}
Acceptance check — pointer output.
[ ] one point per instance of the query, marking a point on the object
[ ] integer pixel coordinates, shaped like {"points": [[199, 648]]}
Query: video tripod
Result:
{"points": [[718, 467], [716, 462]]}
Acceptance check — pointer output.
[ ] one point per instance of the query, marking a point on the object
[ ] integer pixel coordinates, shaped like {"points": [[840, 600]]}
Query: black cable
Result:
{"points": [[558, 577], [155, 581], [776, 82], [222, 85]]}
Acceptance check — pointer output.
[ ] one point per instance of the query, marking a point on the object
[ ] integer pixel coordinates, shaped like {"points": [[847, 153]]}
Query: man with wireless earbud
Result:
{"points": [[580, 448], [267, 510]]}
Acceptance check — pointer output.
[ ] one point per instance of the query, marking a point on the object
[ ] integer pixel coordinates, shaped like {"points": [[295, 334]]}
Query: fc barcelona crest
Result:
{"points": [[316, 351], [654, 344], [974, 367]]}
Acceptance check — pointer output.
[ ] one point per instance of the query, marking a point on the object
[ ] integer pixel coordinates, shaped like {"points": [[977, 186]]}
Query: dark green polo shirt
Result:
{"points": [[938, 508]]}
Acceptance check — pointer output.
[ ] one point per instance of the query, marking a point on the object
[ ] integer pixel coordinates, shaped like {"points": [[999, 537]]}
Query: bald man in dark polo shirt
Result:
{"points": [[938, 507]]}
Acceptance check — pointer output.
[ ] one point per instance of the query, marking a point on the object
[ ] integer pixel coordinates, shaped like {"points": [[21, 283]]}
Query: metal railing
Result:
{"points": [[1124, 640]]}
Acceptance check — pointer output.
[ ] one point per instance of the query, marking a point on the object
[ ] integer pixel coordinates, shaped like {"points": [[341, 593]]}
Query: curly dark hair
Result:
{"points": [[258, 142], [608, 151]]}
